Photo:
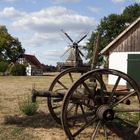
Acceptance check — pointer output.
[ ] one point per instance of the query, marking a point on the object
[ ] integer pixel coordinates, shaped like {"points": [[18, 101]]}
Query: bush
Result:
{"points": [[28, 108], [3, 66], [18, 70]]}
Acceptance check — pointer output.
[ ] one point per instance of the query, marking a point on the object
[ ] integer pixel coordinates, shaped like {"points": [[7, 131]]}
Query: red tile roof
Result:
{"points": [[32, 60]]}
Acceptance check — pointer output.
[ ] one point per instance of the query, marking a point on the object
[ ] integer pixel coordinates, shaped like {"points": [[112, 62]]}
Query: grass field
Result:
{"points": [[16, 126]]}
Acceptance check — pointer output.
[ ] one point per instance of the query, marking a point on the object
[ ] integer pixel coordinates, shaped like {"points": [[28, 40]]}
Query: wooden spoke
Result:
{"points": [[62, 85], [88, 90], [96, 130], [126, 121], [105, 132], [83, 103], [124, 98], [114, 89], [82, 109], [127, 110], [81, 116], [86, 87], [71, 78], [83, 127], [70, 108], [102, 86]]}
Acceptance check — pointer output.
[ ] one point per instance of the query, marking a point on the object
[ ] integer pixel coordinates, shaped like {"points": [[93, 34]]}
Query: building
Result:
{"points": [[33, 66], [124, 52]]}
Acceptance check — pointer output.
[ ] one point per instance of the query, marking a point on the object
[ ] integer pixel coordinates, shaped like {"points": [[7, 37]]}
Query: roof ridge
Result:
{"points": [[120, 35]]}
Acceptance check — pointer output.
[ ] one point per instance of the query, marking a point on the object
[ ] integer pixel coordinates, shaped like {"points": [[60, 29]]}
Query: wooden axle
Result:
{"points": [[39, 93], [78, 95]]}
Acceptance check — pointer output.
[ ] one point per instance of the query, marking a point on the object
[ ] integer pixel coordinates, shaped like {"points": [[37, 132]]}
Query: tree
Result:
{"points": [[90, 45], [10, 47], [3, 66], [49, 68], [131, 12], [18, 70], [111, 26]]}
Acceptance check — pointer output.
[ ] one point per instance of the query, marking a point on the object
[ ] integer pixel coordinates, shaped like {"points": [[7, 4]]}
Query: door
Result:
{"points": [[133, 68]]}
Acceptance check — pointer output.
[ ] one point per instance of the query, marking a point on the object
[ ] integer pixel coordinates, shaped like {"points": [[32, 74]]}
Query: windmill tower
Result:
{"points": [[72, 58]]}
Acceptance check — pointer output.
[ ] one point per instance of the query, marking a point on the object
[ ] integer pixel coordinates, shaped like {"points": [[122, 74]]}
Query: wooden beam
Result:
{"points": [[95, 52]]}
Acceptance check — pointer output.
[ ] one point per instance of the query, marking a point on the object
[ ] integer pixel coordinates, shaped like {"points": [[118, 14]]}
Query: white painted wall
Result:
{"points": [[118, 61], [28, 70]]}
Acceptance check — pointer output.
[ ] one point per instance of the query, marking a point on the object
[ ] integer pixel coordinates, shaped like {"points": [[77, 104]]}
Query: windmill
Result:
{"points": [[74, 58]]}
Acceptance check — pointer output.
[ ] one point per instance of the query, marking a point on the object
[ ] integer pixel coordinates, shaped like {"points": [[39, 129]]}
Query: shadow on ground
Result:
{"points": [[42, 120], [39, 120], [124, 130]]}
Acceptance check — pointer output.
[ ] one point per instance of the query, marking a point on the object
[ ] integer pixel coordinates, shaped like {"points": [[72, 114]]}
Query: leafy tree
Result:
{"points": [[10, 47], [18, 70], [49, 68], [131, 12], [3, 66], [111, 26], [90, 45]]}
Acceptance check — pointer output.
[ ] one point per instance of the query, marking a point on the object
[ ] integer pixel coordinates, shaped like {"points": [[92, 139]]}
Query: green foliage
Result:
{"points": [[49, 68], [90, 45], [3, 66], [131, 12], [111, 26], [28, 108], [10, 47], [18, 70]]}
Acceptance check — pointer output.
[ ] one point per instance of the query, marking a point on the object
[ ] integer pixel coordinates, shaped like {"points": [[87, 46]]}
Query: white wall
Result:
{"points": [[28, 70], [118, 61]]}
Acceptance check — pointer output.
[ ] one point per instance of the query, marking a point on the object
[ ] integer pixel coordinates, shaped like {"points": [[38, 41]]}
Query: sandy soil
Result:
{"points": [[15, 125]]}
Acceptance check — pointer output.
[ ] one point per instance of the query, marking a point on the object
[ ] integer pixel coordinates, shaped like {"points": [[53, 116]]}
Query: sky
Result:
{"points": [[38, 23]]}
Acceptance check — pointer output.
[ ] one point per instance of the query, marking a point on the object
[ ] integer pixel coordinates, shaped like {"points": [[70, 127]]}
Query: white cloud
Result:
{"points": [[137, 1], [10, 12], [53, 19], [41, 39], [65, 1], [49, 20], [94, 9], [118, 1], [53, 53]]}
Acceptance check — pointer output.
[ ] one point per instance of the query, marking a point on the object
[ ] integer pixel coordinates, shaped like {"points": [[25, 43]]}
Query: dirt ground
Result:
{"points": [[16, 126]]}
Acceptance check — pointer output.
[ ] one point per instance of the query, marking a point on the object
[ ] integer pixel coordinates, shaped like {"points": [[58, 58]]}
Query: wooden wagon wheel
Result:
{"points": [[61, 84], [93, 112]]}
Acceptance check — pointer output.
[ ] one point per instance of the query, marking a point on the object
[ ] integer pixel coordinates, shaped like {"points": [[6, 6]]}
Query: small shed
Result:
{"points": [[124, 52], [33, 66]]}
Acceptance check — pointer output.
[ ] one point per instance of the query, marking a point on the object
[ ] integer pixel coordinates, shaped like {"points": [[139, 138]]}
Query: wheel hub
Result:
{"points": [[104, 112]]}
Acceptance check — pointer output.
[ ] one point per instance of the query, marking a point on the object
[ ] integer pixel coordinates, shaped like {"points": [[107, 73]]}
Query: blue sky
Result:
{"points": [[38, 23]]}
